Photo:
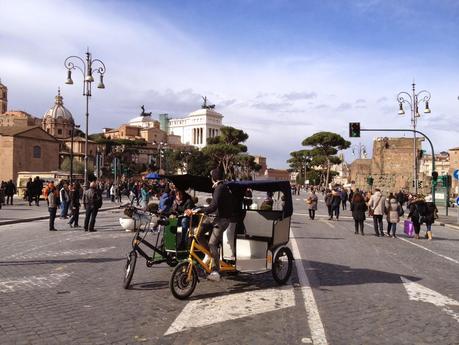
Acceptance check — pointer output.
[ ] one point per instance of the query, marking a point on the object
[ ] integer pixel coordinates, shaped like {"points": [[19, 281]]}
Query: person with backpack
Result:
{"points": [[431, 215], [418, 212], [393, 211], [92, 201]]}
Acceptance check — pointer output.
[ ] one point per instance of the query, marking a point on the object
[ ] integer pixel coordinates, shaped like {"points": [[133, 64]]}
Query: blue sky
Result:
{"points": [[280, 70]]}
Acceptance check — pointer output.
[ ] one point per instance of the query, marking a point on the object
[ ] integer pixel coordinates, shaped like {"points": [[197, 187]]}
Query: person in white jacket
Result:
{"points": [[376, 205]]}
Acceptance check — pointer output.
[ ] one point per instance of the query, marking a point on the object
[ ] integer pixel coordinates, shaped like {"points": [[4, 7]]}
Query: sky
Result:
{"points": [[280, 70]]}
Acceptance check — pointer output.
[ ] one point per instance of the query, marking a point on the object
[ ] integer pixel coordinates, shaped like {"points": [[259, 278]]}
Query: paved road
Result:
{"points": [[65, 288]]}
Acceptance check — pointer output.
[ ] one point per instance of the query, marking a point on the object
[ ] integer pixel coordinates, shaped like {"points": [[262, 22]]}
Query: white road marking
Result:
{"points": [[321, 215], [207, 311], [51, 254], [328, 223], [422, 247], [417, 292], [32, 282], [430, 251], [314, 320]]}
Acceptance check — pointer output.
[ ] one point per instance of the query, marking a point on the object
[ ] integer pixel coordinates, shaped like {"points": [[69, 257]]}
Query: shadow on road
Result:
{"points": [[328, 274], [59, 261]]}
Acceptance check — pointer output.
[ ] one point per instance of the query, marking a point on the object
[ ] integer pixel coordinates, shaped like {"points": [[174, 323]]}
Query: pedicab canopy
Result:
{"points": [[185, 182], [238, 188]]}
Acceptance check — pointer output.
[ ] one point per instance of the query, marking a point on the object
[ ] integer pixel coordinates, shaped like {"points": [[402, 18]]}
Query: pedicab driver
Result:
{"points": [[221, 205]]}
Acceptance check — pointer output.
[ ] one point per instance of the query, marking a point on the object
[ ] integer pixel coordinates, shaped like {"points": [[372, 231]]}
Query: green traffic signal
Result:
{"points": [[354, 129]]}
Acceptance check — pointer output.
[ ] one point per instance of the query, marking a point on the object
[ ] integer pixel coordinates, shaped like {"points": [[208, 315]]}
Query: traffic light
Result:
{"points": [[370, 180], [354, 129], [419, 184], [434, 176]]}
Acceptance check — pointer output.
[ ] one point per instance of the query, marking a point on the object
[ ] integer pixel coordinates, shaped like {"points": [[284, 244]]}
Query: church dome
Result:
{"points": [[58, 111]]}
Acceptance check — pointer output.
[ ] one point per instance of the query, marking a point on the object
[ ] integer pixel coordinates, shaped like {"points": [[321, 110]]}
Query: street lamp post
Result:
{"points": [[413, 100], [71, 151], [86, 67]]}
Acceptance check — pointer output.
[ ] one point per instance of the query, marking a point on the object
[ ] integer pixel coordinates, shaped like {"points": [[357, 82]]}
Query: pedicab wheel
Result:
{"points": [[129, 269], [180, 287], [282, 265]]}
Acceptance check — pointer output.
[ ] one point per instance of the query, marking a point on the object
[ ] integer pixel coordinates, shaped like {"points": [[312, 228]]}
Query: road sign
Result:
{"points": [[457, 201], [456, 174]]}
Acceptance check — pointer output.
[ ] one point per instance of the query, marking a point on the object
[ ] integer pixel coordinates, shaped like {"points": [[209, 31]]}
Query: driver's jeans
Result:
{"points": [[216, 237]]}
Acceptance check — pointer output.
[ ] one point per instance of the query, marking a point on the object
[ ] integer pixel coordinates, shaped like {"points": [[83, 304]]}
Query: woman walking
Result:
{"points": [[394, 211], [312, 200], [431, 215], [75, 195], [418, 210], [358, 208]]}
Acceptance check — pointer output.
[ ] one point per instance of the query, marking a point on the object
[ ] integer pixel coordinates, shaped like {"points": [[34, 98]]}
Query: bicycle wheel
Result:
{"points": [[180, 286], [282, 265], [129, 269]]}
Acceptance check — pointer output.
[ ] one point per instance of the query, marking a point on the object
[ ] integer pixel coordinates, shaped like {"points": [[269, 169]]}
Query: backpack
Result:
{"points": [[97, 199], [421, 211]]}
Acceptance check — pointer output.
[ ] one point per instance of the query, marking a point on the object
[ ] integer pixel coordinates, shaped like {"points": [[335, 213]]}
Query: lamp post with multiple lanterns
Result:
{"points": [[414, 100], [87, 67]]}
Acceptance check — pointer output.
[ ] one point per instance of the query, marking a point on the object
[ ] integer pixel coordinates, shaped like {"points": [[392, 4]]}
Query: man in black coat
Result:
{"points": [[10, 190]]}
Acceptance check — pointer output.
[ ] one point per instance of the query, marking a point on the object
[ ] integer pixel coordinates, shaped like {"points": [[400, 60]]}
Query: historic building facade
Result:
{"points": [[58, 120], [27, 149]]}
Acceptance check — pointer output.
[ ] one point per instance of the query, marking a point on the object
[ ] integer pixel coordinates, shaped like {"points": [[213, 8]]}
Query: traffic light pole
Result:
{"points": [[412, 131]]}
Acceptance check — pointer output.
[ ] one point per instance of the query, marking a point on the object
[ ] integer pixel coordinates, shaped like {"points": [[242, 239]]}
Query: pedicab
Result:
{"points": [[256, 241], [166, 244]]}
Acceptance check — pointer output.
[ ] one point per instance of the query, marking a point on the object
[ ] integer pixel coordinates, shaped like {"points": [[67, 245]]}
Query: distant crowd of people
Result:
{"points": [[378, 206]]}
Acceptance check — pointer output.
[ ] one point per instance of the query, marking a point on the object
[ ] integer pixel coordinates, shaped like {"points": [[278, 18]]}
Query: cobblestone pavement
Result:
{"points": [[65, 288]]}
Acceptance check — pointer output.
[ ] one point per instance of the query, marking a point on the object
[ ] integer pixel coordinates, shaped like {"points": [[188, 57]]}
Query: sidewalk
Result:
{"points": [[21, 212], [451, 220]]}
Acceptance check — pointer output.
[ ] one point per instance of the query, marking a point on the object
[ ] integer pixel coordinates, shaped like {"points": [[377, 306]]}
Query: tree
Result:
{"points": [[300, 162], [224, 149], [325, 146], [246, 165]]}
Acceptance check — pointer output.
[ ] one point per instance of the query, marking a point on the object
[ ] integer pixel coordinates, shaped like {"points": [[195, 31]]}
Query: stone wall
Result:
{"points": [[359, 170]]}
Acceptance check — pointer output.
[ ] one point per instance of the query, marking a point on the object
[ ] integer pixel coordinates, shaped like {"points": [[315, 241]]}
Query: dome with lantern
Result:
{"points": [[58, 120]]}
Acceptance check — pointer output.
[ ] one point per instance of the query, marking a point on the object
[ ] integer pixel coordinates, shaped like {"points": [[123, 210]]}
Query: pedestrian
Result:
{"points": [[376, 210], [2, 194], [344, 198], [312, 201], [335, 204], [145, 199], [431, 215], [418, 212], [268, 203], [328, 202], [92, 201], [112, 192], [74, 196], [64, 200], [248, 198], [51, 198], [10, 190], [29, 191], [37, 187], [182, 202], [358, 209], [393, 211], [119, 189]]}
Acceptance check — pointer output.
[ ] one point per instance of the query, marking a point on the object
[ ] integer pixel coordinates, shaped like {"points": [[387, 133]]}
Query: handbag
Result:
{"points": [[408, 228]]}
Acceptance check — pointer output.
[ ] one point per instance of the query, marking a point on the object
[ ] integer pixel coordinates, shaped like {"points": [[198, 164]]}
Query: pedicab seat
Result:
{"points": [[269, 225]]}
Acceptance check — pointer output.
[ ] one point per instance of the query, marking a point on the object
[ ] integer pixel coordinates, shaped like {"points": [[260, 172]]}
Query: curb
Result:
{"points": [[28, 220], [451, 226]]}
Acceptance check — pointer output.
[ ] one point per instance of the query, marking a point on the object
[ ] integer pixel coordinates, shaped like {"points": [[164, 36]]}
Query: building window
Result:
{"points": [[37, 152], [59, 131], [70, 132]]}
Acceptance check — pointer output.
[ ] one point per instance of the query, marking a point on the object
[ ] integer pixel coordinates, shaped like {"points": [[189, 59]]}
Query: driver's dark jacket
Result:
{"points": [[221, 203]]}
